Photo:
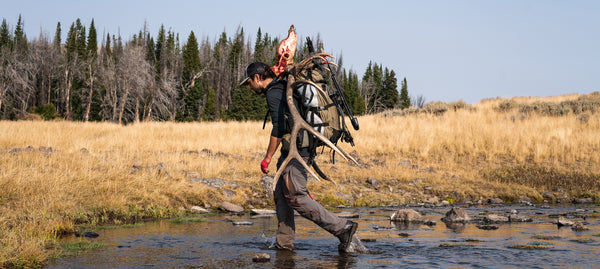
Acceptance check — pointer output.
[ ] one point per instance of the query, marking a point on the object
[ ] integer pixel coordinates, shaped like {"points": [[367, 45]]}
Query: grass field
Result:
{"points": [[55, 176]]}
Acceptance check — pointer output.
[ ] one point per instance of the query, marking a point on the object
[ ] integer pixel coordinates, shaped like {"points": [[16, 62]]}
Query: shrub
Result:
{"points": [[505, 106], [47, 111], [457, 105], [437, 108]]}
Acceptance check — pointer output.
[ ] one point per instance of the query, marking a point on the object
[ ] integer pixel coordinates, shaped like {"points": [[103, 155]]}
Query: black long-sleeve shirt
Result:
{"points": [[280, 115]]}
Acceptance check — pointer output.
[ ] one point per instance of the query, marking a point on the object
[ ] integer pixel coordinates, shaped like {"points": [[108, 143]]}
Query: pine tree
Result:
{"points": [[209, 113], [191, 58], [92, 42], [375, 102], [159, 52], [258, 46], [71, 44], [358, 103], [5, 38], [57, 36], [390, 89], [191, 65], [151, 53], [19, 40], [107, 46], [404, 98], [192, 102], [81, 44], [246, 105]]}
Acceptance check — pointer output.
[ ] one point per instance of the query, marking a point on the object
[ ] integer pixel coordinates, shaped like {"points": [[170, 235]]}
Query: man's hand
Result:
{"points": [[263, 166]]}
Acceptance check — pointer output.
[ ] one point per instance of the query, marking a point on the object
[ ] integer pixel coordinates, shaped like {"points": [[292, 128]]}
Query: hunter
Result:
{"points": [[290, 192]]}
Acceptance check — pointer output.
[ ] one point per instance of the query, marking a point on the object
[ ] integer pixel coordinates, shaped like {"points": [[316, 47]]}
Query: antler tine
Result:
{"points": [[293, 152], [316, 56]]}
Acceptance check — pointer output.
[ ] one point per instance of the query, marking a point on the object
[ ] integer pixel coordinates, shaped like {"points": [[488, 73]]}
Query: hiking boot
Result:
{"points": [[287, 247], [346, 235]]}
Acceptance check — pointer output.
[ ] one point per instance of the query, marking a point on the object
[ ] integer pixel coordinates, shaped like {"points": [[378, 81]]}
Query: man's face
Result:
{"points": [[254, 84]]}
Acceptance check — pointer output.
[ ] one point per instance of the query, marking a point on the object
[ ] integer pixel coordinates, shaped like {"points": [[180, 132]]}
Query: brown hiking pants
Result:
{"points": [[291, 194]]}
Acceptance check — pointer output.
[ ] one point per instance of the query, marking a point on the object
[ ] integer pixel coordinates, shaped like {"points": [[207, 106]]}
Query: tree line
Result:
{"points": [[156, 78]]}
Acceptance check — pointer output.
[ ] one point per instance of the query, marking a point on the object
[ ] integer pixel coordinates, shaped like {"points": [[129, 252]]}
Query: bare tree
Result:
{"points": [[22, 74], [133, 77], [107, 74], [43, 55], [418, 101], [91, 73], [4, 75]]}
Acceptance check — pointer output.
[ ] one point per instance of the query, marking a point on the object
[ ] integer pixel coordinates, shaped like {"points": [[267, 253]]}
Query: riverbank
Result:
{"points": [[57, 175]]}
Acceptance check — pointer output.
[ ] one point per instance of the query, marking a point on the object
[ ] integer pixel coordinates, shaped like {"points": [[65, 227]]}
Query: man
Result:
{"points": [[291, 192]]}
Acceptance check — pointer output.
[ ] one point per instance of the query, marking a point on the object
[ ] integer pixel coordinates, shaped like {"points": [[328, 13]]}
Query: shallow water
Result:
{"points": [[217, 243]]}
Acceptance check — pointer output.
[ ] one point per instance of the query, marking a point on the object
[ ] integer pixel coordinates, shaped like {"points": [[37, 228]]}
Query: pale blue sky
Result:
{"points": [[447, 50]]}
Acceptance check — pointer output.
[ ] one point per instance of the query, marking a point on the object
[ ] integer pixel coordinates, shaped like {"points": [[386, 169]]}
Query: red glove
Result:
{"points": [[263, 166]]}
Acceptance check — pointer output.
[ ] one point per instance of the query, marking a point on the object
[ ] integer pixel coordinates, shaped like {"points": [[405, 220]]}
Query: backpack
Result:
{"points": [[319, 104]]}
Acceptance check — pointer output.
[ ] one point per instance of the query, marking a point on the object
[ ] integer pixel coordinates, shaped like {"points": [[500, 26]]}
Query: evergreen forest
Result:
{"points": [[88, 77]]}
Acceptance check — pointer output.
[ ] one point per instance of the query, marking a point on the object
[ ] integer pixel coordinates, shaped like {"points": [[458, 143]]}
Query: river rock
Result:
{"points": [[406, 215], [493, 218], [495, 201], [344, 196], [229, 207], [267, 184], [87, 234], [519, 218], [456, 214], [549, 196], [579, 227], [487, 227], [430, 223], [583, 201], [562, 221], [262, 212], [263, 257], [443, 203], [348, 215], [228, 193], [213, 182], [373, 183], [199, 210], [242, 223], [433, 200]]}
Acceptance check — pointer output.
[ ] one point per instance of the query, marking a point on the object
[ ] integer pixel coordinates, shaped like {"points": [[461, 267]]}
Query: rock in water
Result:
{"points": [[229, 207], [262, 212], [242, 223], [579, 227], [87, 234], [406, 215], [355, 247], [263, 257], [562, 221], [494, 218], [199, 210], [456, 214]]}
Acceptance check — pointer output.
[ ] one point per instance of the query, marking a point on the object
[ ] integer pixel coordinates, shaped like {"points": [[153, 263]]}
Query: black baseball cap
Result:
{"points": [[253, 69]]}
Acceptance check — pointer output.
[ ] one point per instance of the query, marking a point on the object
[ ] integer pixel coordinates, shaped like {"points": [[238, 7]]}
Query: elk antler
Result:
{"points": [[308, 60], [300, 123]]}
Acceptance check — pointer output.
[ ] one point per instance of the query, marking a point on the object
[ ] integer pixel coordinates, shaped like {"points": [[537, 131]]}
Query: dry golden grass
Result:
{"points": [[102, 173]]}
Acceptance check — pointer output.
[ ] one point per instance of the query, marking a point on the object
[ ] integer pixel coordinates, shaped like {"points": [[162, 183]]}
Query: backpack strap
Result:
{"points": [[266, 117]]}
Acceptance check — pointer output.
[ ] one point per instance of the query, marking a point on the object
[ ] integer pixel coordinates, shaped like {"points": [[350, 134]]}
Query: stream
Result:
{"points": [[217, 243]]}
